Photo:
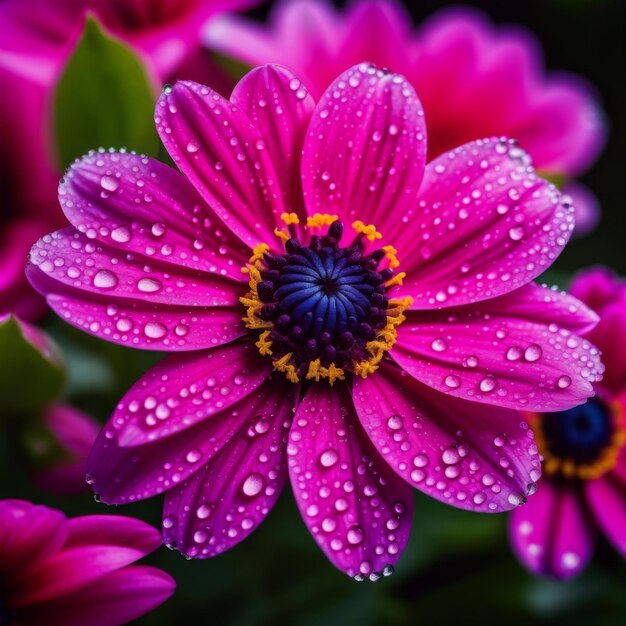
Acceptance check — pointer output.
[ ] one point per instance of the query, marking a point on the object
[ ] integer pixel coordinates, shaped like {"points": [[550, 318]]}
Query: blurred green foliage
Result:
{"points": [[104, 99]]}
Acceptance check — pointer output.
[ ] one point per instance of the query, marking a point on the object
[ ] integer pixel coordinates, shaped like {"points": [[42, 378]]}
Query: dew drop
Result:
{"points": [[155, 330], [105, 279], [253, 485], [109, 183], [329, 458], [148, 285], [564, 382], [439, 345], [533, 353]]}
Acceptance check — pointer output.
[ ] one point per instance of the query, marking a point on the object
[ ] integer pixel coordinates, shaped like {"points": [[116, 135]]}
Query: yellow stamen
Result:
{"points": [[332, 372], [368, 230], [390, 254], [264, 344], [321, 219], [283, 365], [281, 234], [396, 280], [290, 218]]}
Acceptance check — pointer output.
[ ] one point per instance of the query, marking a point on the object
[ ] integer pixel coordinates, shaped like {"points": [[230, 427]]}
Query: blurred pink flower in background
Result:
{"points": [[584, 486], [56, 441], [238, 265], [56, 571], [474, 79], [36, 40]]}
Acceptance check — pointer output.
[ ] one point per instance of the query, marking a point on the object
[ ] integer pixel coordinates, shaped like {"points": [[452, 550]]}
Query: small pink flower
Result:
{"points": [[321, 360], [473, 78], [56, 571], [584, 450], [37, 38]]}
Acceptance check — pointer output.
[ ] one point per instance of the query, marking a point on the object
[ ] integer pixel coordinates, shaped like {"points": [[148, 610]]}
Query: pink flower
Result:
{"points": [[56, 571], [474, 79], [37, 39], [285, 369], [584, 449]]}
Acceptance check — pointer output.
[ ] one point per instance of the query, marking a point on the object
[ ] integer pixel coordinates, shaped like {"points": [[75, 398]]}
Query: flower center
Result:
{"points": [[583, 442], [323, 308]]}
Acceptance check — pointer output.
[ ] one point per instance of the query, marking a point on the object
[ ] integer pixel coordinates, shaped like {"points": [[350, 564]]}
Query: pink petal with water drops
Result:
{"points": [[224, 156], [280, 107], [72, 260], [552, 534], [139, 205], [29, 532], [473, 457], [183, 390], [483, 225], [365, 150], [487, 354], [223, 503], [545, 305], [140, 325], [357, 509], [607, 499], [121, 474], [117, 598]]}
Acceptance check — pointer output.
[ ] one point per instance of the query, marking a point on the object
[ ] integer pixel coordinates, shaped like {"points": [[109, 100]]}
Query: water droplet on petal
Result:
{"points": [[253, 485], [105, 279], [533, 353], [109, 183], [329, 458]]}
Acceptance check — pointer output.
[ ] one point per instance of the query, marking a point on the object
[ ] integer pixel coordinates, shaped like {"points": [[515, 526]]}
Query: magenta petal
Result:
{"points": [[139, 205], [607, 499], [29, 532], [140, 325], [67, 571], [182, 391], [112, 295], [162, 433], [224, 156], [357, 509], [117, 598], [552, 533], [365, 150], [483, 225], [473, 457], [487, 354], [280, 107], [112, 530], [223, 503]]}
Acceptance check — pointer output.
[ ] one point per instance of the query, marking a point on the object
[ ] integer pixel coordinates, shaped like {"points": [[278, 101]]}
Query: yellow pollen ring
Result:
{"points": [[568, 468], [283, 365], [321, 219], [386, 337], [332, 372], [369, 230]]}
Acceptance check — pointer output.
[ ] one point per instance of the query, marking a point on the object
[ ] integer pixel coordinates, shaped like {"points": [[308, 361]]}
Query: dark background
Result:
{"points": [[458, 568]]}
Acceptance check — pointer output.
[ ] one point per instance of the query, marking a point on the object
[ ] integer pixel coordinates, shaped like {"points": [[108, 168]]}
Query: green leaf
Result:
{"points": [[104, 99], [29, 379]]}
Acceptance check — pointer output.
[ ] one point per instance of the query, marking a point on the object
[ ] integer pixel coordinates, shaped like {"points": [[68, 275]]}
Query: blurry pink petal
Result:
{"points": [[598, 287], [358, 511], [37, 339], [552, 533], [225, 158], [65, 572], [16, 295], [586, 208], [221, 504], [112, 530], [260, 95], [365, 150], [607, 500], [137, 204], [432, 442], [303, 34], [117, 598], [491, 354], [75, 433], [483, 225], [497, 75], [28, 532]]}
